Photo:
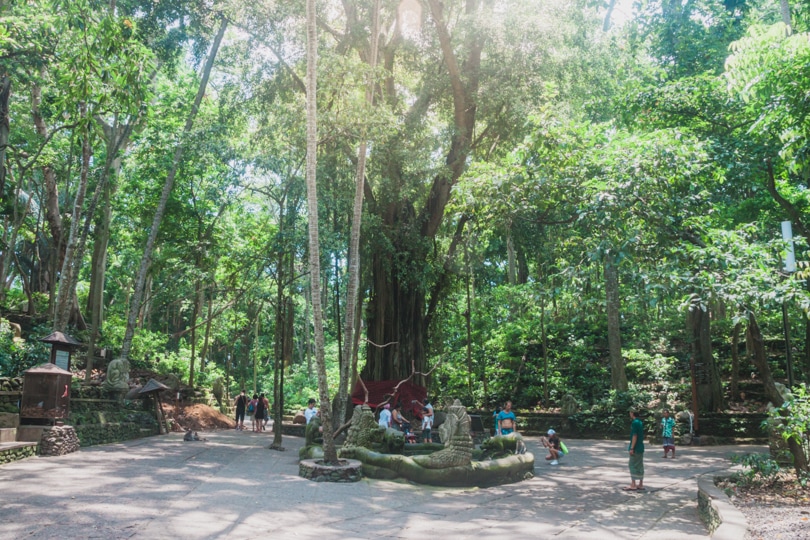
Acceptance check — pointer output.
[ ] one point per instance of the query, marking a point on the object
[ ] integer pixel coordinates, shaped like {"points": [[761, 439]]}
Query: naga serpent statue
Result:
{"points": [[451, 466]]}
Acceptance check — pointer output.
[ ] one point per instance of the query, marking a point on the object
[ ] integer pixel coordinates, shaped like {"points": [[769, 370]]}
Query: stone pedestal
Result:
{"points": [[58, 441], [349, 470]]}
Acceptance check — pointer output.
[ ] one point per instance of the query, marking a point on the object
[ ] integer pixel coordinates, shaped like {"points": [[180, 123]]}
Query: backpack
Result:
{"points": [[252, 406], [563, 448]]}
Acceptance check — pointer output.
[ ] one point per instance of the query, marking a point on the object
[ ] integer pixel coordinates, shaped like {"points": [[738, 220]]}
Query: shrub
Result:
{"points": [[757, 469], [610, 414]]}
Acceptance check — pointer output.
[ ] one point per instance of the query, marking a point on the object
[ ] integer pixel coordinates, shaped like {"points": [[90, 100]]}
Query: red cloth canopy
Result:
{"points": [[377, 390]]}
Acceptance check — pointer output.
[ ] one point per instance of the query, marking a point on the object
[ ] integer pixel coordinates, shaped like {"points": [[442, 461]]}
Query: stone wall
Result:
{"points": [[17, 453], [92, 434], [58, 441], [723, 428]]}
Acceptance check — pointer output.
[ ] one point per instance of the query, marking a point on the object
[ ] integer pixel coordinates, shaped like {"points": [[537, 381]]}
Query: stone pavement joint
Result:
{"points": [[233, 486]]}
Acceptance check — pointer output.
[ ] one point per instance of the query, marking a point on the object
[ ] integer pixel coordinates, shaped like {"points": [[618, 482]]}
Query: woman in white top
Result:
{"points": [[385, 416]]}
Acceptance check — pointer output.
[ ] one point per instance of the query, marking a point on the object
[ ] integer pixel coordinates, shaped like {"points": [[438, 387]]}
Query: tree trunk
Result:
{"points": [[98, 269], [329, 450], [618, 377], [195, 310], [5, 128], [735, 362], [784, 10], [353, 285], [397, 318], [70, 264], [140, 282], [52, 213], [757, 348], [206, 339], [807, 351], [709, 385]]}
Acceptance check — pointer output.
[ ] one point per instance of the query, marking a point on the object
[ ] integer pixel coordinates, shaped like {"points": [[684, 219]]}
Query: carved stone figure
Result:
{"points": [[218, 390], [117, 375], [364, 430], [452, 465], [313, 440], [458, 444], [569, 405]]}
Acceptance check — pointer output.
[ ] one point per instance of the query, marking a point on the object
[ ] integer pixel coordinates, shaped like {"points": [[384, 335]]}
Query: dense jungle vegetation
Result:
{"points": [[547, 198]]}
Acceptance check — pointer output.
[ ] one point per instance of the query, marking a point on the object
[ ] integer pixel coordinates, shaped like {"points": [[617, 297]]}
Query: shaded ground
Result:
{"points": [[232, 486], [774, 510]]}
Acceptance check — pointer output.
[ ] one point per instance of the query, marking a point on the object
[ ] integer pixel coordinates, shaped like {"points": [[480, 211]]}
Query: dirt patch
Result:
{"points": [[197, 417], [779, 509]]}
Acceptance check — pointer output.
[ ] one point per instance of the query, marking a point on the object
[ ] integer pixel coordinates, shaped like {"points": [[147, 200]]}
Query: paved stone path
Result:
{"points": [[233, 487]]}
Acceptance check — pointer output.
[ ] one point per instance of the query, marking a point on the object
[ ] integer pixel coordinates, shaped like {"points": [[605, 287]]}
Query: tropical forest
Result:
{"points": [[592, 206]]}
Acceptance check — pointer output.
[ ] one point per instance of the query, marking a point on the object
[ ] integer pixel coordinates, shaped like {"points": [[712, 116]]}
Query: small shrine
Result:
{"points": [[62, 347], [46, 394]]}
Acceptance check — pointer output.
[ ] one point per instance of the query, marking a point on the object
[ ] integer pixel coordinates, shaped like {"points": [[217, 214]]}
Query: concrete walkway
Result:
{"points": [[233, 487]]}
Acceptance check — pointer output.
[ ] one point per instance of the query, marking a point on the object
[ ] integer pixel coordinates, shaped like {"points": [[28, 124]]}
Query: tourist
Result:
{"points": [[554, 445], [398, 421], [266, 412], [507, 423], [261, 411], [425, 407], [495, 419], [427, 424], [667, 434], [241, 404], [251, 410], [636, 449], [385, 416], [310, 412]]}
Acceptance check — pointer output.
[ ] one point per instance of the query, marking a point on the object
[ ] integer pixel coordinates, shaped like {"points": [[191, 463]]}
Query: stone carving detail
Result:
{"points": [[117, 375], [458, 446], [364, 431], [452, 465]]}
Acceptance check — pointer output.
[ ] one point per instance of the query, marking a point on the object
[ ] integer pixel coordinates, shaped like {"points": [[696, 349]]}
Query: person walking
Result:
{"points": [[241, 404], [636, 449], [668, 434], [251, 410], [261, 411]]}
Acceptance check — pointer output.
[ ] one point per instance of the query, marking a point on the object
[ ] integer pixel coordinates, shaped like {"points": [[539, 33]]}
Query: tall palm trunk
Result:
{"points": [[329, 450]]}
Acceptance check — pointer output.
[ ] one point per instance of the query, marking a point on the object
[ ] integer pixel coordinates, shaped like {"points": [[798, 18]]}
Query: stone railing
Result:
{"points": [[721, 517]]}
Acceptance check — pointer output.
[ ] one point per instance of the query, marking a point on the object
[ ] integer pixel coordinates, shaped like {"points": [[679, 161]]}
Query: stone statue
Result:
{"points": [[117, 375], [219, 390], [313, 437], [364, 430], [569, 405], [452, 465], [502, 446], [458, 444]]}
